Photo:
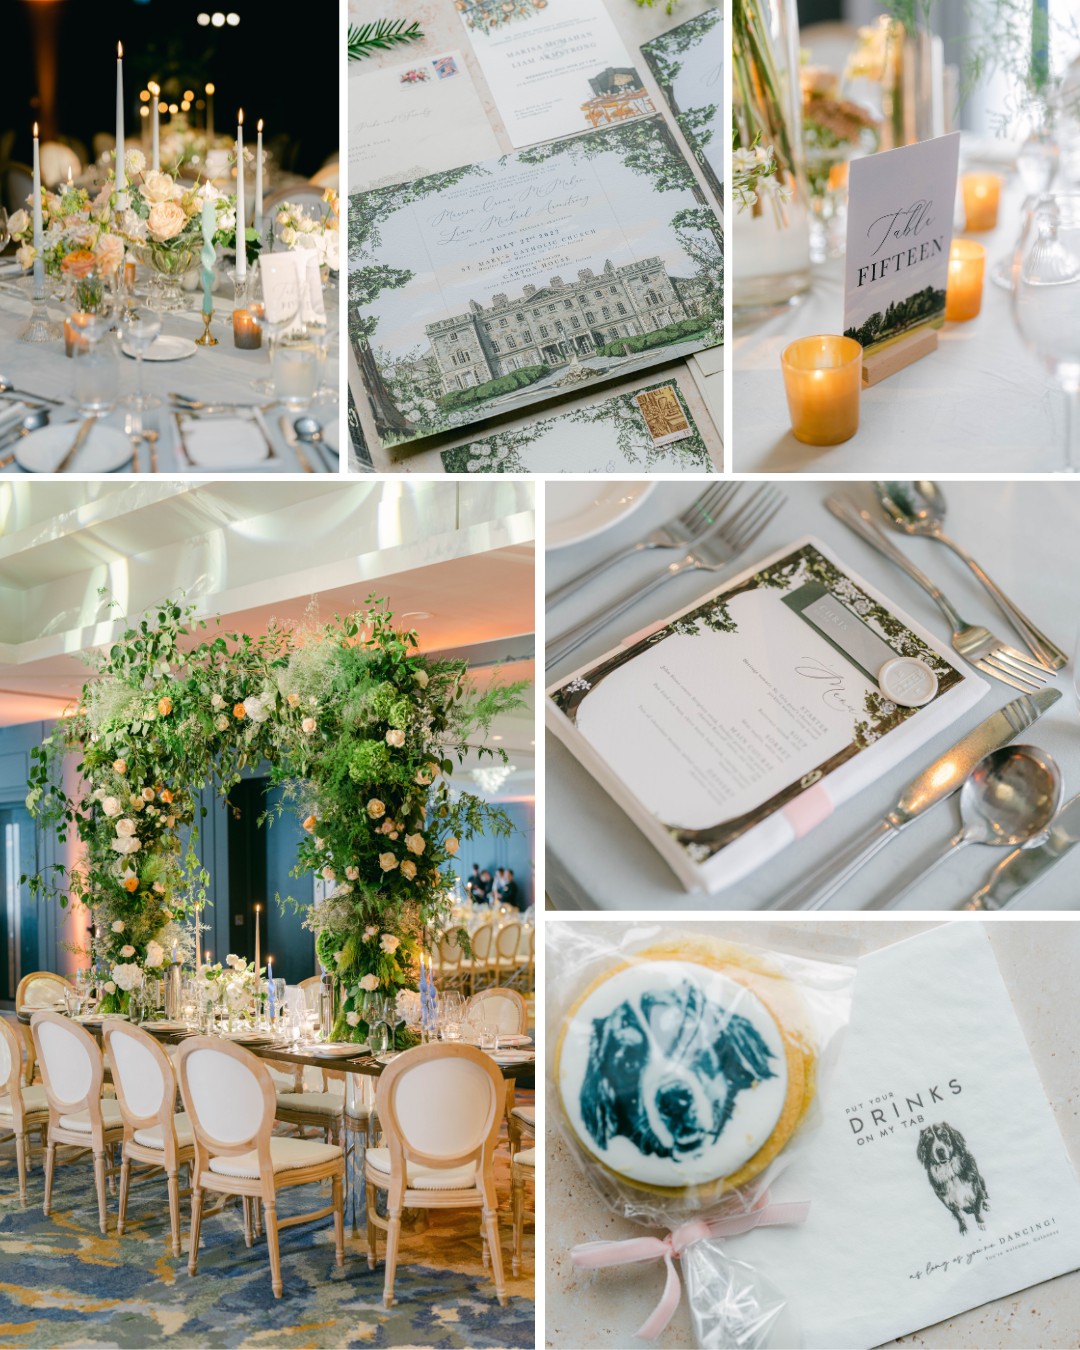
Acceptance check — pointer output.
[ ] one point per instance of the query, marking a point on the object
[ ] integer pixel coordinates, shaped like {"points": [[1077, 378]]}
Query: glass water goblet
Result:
{"points": [[1046, 301], [294, 371], [139, 334], [97, 374]]}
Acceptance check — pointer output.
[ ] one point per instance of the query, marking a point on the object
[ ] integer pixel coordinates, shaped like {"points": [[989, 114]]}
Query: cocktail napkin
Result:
{"points": [[940, 1179]]}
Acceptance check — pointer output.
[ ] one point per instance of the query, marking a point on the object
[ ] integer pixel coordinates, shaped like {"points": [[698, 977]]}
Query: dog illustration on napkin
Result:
{"points": [[953, 1173]]}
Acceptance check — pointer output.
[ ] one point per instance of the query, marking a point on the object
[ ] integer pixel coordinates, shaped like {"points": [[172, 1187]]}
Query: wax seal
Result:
{"points": [[907, 681]]}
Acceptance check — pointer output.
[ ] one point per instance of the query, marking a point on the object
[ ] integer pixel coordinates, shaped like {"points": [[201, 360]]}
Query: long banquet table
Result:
{"points": [[982, 403], [213, 374]]}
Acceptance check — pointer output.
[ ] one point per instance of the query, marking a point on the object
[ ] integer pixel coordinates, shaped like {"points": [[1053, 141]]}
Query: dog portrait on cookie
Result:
{"points": [[953, 1173]]}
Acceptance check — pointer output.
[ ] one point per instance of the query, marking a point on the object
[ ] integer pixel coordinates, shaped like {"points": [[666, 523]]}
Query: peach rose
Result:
{"points": [[109, 251], [165, 221], [166, 795], [80, 263], [239, 711], [310, 824], [120, 766], [159, 187], [131, 883], [164, 706]]}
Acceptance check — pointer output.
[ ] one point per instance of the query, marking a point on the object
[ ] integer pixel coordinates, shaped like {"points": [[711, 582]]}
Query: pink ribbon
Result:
{"points": [[600, 1255]]}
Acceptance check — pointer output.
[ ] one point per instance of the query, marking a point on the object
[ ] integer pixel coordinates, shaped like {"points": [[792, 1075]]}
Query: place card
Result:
{"points": [[486, 289], [899, 228], [554, 67], [414, 119], [650, 431], [743, 721], [688, 64], [938, 1179]]}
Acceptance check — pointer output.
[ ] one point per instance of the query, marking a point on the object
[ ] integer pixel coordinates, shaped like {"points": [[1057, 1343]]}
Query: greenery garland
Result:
{"points": [[358, 727]]}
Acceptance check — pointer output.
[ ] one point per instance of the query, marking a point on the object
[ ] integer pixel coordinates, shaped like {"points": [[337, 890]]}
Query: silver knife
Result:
{"points": [[292, 440], [935, 784], [1024, 866]]}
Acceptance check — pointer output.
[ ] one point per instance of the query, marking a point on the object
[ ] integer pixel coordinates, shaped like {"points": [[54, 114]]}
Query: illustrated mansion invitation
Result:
{"points": [[409, 120], [740, 723], [688, 63], [649, 430], [554, 66], [938, 1179], [486, 289]]}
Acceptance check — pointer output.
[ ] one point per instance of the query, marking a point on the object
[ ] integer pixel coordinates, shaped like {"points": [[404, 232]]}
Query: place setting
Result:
{"points": [[852, 680], [905, 215], [162, 311]]}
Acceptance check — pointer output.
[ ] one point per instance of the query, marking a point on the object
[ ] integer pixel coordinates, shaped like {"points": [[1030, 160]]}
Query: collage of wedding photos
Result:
{"points": [[453, 617]]}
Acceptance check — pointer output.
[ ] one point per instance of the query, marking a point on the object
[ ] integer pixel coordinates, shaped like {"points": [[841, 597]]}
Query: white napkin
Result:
{"points": [[224, 442]]}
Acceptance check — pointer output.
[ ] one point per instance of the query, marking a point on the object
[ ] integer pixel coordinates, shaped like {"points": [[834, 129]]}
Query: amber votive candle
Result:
{"points": [[246, 332], [982, 192], [823, 382], [963, 298], [73, 326]]}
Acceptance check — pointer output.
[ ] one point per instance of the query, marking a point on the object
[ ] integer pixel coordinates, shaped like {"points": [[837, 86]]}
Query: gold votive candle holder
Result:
{"points": [[246, 332], [967, 264], [823, 382], [982, 193]]}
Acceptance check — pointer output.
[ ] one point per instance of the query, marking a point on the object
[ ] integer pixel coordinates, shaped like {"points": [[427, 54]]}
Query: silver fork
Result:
{"points": [[715, 550], [679, 532], [974, 643]]}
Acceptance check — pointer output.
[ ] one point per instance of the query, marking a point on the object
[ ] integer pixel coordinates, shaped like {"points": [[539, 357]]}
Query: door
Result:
{"points": [[18, 910]]}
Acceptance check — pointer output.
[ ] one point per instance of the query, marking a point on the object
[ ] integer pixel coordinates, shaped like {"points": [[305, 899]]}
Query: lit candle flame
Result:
{"points": [[241, 117], [119, 50], [35, 131], [259, 128]]}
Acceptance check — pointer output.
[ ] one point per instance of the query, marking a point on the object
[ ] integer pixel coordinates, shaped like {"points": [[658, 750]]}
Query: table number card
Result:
{"points": [[900, 214], [939, 1179], [553, 66]]}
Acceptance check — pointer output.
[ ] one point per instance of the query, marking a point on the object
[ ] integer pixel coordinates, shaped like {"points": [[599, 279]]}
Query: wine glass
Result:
{"points": [[140, 332], [273, 321], [1046, 296], [5, 233]]}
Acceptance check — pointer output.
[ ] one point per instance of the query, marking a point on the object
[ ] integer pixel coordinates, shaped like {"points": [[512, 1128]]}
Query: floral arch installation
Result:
{"points": [[359, 729]]}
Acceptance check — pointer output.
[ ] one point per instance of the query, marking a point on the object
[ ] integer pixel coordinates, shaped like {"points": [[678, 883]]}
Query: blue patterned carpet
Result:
{"points": [[63, 1285]]}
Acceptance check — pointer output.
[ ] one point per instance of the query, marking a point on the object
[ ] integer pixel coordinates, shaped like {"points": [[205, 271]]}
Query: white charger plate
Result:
{"points": [[165, 347], [340, 1050], [580, 511], [103, 451]]}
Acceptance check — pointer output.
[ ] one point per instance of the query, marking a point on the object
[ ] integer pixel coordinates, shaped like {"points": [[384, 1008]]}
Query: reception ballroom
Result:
{"points": [[267, 987]]}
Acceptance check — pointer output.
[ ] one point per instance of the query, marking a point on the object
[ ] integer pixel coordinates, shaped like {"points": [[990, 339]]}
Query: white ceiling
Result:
{"points": [[255, 551]]}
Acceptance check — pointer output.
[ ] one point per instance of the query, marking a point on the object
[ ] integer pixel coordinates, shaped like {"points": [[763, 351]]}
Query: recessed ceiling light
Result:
{"points": [[232, 19], [218, 19], [496, 738], [203, 20]]}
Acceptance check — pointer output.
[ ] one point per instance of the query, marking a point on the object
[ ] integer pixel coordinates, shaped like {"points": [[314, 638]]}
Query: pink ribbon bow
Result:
{"points": [[600, 1255]]}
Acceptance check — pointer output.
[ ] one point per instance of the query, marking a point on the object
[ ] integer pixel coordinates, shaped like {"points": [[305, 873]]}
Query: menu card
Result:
{"points": [[899, 229], [688, 63], [553, 66], [485, 289], [650, 430], [409, 120], [938, 1179], [741, 722]]}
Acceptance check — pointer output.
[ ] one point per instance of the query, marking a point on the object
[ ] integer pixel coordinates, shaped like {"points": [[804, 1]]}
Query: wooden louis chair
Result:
{"points": [[22, 1109], [73, 1073], [440, 1107], [154, 1134], [40, 989], [230, 1100]]}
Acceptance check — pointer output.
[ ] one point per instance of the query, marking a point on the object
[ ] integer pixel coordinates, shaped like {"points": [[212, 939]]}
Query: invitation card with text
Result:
{"points": [[483, 290], [554, 66], [939, 1179]]}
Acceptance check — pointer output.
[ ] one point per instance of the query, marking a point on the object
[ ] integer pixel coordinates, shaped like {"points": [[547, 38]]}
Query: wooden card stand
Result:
{"points": [[880, 365]]}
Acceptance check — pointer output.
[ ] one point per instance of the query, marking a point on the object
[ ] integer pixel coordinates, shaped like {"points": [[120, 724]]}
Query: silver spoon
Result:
{"points": [[917, 507], [8, 390], [309, 429], [1008, 801], [33, 421]]}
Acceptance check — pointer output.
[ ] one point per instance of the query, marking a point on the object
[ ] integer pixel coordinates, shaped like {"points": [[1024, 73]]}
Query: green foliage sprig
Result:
{"points": [[381, 35]]}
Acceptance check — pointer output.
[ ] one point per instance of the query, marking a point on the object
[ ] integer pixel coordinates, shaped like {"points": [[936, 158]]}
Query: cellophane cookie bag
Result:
{"points": [[686, 1070]]}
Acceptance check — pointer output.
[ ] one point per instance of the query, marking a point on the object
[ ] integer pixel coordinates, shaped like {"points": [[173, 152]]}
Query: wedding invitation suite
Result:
{"points": [[688, 63], [938, 1179], [899, 229], [414, 119], [741, 722], [648, 431], [553, 66], [486, 289]]}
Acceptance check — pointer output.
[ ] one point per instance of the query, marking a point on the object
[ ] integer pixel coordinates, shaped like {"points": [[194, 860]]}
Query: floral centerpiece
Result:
{"points": [[72, 226], [296, 229], [231, 986]]}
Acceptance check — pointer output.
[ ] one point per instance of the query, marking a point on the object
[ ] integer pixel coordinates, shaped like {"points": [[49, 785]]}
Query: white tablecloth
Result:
{"points": [[983, 403], [1027, 535], [215, 373]]}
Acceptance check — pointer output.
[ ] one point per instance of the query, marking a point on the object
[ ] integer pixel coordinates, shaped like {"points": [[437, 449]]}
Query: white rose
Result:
{"points": [[369, 932], [125, 846], [125, 828], [369, 983], [353, 1019], [395, 738], [118, 925], [288, 237], [127, 951], [19, 222], [159, 187], [307, 726], [233, 961], [258, 707], [109, 987], [128, 977], [222, 723], [111, 806], [155, 955], [216, 701], [389, 943]]}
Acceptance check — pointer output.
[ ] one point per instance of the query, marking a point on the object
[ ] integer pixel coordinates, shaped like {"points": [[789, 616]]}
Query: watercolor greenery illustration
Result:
{"points": [[881, 715], [406, 390], [700, 124]]}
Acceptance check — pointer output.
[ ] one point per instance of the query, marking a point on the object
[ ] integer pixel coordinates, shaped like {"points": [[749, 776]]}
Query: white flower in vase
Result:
{"points": [[353, 1019], [369, 983], [127, 977], [155, 955]]}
